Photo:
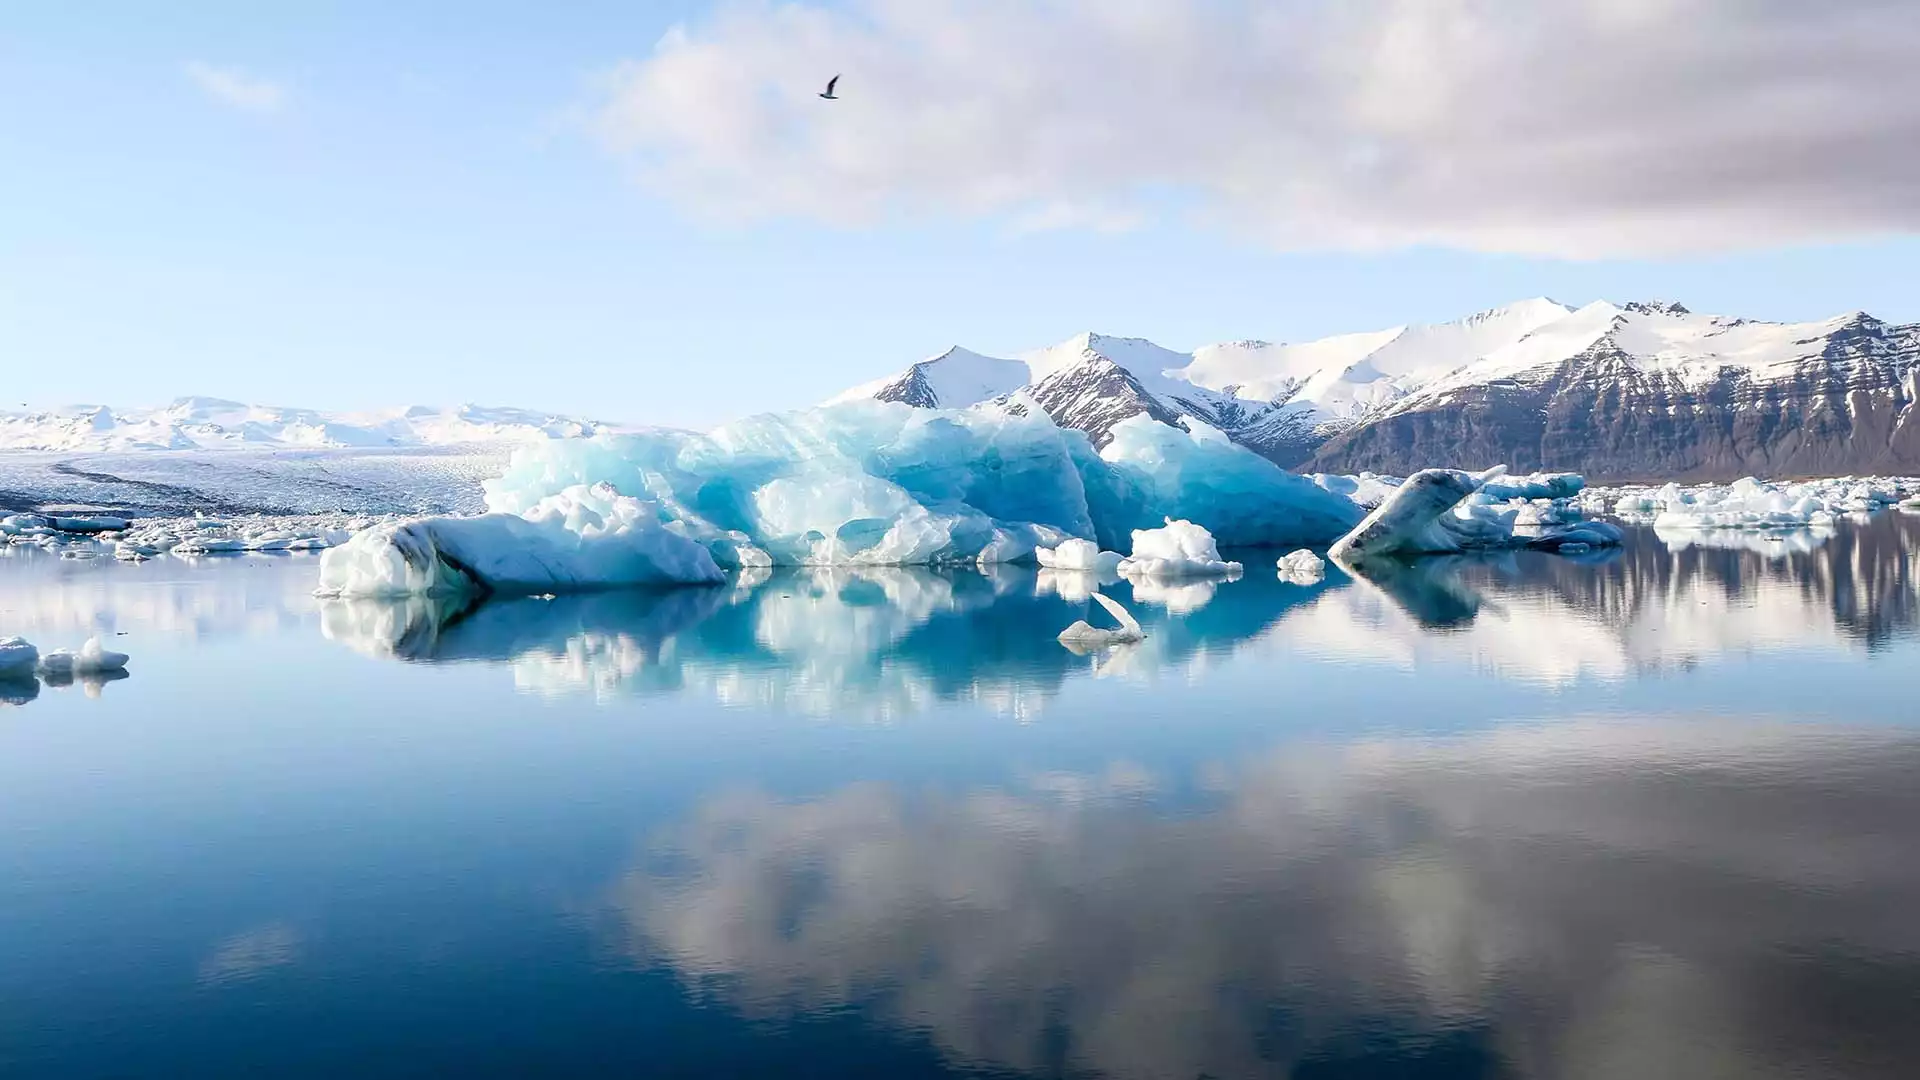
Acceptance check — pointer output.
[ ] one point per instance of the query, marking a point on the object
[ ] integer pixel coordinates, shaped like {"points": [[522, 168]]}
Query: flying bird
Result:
{"points": [[828, 93]]}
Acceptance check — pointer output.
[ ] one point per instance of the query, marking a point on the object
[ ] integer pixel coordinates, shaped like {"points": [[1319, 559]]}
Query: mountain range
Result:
{"points": [[1619, 392], [1636, 391], [201, 423]]}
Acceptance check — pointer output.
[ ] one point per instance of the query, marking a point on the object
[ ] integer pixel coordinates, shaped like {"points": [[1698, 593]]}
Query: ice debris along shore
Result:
{"points": [[145, 538], [1752, 503], [862, 483]]}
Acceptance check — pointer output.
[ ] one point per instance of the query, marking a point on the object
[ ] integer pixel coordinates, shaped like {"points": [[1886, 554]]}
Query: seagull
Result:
{"points": [[828, 94]]}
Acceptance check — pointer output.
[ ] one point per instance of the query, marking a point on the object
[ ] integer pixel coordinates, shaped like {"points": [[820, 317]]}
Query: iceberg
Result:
{"points": [[1440, 511], [18, 658], [859, 483], [1079, 555], [32, 524], [579, 538], [1534, 486], [92, 659], [1302, 567], [1175, 550], [1083, 636]]}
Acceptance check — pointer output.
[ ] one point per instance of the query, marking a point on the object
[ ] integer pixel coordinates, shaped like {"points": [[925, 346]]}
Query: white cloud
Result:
{"points": [[1567, 127], [236, 88]]}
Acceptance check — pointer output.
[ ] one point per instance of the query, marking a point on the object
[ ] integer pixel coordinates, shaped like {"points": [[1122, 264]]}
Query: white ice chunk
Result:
{"points": [[92, 659], [18, 658], [1302, 567], [1079, 555], [1083, 636], [578, 539], [1177, 549]]}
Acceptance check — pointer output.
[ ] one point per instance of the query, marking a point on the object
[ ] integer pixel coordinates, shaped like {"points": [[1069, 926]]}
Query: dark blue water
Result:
{"points": [[1646, 815]]}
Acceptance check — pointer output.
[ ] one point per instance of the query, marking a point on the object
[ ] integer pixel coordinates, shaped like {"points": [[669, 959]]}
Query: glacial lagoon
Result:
{"points": [[1644, 812]]}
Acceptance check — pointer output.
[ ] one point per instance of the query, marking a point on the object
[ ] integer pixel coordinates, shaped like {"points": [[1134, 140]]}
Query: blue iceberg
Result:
{"points": [[860, 483]]}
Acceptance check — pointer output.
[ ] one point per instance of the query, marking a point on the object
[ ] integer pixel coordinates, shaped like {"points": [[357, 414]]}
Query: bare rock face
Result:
{"points": [[911, 388], [1096, 394], [1845, 406]]}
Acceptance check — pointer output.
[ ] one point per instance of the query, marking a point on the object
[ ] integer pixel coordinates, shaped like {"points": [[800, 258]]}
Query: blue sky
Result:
{"points": [[419, 203]]}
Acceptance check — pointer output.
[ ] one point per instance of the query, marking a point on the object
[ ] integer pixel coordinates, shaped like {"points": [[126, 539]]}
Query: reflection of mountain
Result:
{"points": [[1646, 607], [1597, 899], [869, 642]]}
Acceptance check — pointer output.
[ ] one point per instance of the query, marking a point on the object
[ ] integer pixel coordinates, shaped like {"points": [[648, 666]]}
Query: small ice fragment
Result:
{"points": [[1084, 635], [1302, 567]]}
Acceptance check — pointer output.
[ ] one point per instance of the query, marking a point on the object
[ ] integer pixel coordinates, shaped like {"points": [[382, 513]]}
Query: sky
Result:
{"points": [[641, 212]]}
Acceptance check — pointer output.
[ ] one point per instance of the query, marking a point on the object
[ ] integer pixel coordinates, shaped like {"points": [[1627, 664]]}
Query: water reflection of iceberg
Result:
{"points": [[1773, 544], [1555, 895], [874, 642], [18, 689], [1643, 607]]}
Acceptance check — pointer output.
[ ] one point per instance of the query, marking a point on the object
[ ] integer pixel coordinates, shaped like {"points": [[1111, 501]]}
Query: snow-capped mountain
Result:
{"points": [[199, 423], [1639, 390]]}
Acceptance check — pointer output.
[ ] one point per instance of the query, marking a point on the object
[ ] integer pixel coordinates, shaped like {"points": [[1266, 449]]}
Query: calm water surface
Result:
{"points": [[1650, 815]]}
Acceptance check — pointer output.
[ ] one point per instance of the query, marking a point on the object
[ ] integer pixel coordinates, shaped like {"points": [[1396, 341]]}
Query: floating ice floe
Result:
{"points": [[1175, 550], [579, 538], [1302, 567], [1503, 488], [1078, 554], [1758, 504], [40, 524], [861, 483], [18, 658], [1438, 511], [1083, 636], [92, 659]]}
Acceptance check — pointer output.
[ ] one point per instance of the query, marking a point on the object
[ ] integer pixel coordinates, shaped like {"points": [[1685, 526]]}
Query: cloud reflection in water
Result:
{"points": [[1584, 898]]}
